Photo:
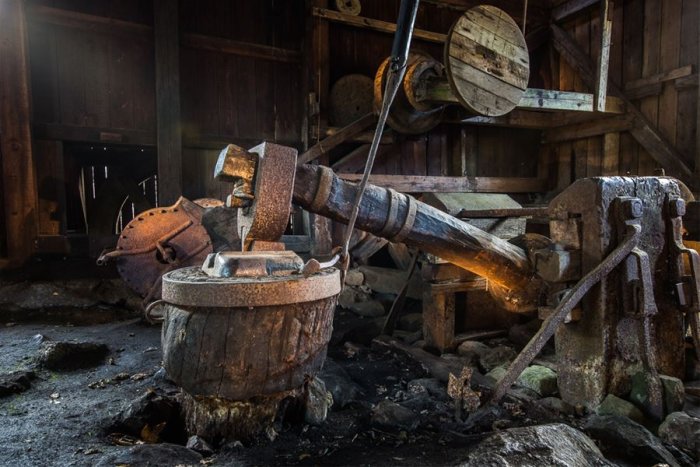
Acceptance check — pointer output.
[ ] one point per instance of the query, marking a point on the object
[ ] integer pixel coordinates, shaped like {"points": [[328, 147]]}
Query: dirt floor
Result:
{"points": [[120, 408]]}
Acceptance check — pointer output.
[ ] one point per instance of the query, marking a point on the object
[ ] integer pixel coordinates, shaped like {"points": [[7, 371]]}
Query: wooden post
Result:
{"points": [[18, 177], [606, 9], [697, 117], [168, 130]]}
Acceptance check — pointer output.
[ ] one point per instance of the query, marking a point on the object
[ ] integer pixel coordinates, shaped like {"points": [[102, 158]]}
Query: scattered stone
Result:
{"points": [[552, 445], [540, 379], [556, 405], [500, 355], [121, 376], [152, 455], [613, 405], [150, 410], [317, 402], [39, 339], [350, 295], [392, 416], [341, 386], [354, 277], [682, 431], [624, 440], [368, 309], [15, 382], [674, 393], [411, 322], [473, 350], [520, 334], [59, 356], [408, 337], [430, 386], [497, 373], [199, 445]]}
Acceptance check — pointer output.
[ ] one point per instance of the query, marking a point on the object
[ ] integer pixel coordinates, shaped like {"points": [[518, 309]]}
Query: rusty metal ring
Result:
{"points": [[390, 224], [191, 287], [408, 222], [323, 190], [423, 66]]}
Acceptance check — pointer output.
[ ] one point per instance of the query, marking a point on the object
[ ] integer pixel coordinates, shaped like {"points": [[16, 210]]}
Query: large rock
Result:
{"points": [[672, 392], [368, 309], [153, 455], [341, 386], [682, 431], [624, 440], [392, 416], [60, 356], [473, 350], [317, 403], [148, 411], [497, 356], [540, 379], [550, 445], [613, 405], [411, 322], [15, 382]]}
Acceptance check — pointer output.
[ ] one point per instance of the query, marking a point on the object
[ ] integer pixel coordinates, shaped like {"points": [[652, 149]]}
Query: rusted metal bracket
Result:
{"points": [[632, 208], [687, 286]]}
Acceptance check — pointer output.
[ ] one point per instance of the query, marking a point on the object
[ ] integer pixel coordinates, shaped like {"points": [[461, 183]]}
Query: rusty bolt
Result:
{"points": [[676, 207], [633, 208]]}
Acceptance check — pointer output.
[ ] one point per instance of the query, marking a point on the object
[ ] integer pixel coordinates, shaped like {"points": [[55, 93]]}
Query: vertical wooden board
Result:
{"points": [[647, 165], [439, 320], [469, 147], [629, 155], [42, 51], [144, 90], [71, 76], [247, 104], [209, 94], [267, 101], [616, 43], [582, 34], [651, 65], [595, 157], [633, 36], [580, 150], [686, 123], [97, 79], [611, 154], [121, 112], [50, 186], [413, 156], [565, 169], [434, 152], [288, 112], [669, 59], [228, 103], [567, 76]]}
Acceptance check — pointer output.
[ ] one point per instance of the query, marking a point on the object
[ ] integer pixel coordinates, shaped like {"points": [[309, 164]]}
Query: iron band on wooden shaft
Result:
{"points": [[390, 225], [408, 221], [323, 190]]}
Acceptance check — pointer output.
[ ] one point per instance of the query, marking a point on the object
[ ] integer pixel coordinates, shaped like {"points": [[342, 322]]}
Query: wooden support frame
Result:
{"points": [[606, 11], [168, 121], [641, 129], [439, 184], [570, 8], [18, 172]]}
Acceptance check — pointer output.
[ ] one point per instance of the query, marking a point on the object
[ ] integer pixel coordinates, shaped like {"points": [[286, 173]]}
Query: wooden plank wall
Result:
{"points": [[650, 38]]}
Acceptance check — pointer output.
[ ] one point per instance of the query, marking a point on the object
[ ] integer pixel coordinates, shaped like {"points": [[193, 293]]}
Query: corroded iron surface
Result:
{"points": [[192, 287], [157, 241], [268, 216]]}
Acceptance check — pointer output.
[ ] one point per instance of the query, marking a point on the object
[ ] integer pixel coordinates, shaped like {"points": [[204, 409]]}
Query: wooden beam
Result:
{"points": [[671, 75], [341, 136], [103, 24], [365, 136], [587, 129], [545, 99], [432, 184], [642, 129], [168, 122], [242, 49], [375, 25], [606, 11], [56, 131], [515, 119], [18, 176], [570, 8]]}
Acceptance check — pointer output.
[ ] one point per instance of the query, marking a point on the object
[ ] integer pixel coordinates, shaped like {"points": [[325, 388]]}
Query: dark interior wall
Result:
{"points": [[650, 38]]}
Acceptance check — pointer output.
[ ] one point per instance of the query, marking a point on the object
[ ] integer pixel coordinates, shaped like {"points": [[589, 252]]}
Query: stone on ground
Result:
{"points": [[368, 309], [497, 356], [497, 373], [152, 455], [540, 379], [672, 388], [199, 445], [473, 350], [613, 405], [339, 383], [556, 405], [318, 402], [682, 431], [520, 334], [624, 440], [15, 382], [354, 277], [411, 322], [551, 445], [392, 416], [148, 411], [60, 356]]}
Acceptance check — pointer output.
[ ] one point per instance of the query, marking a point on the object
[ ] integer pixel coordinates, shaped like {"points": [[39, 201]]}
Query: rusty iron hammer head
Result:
{"points": [[236, 165]]}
